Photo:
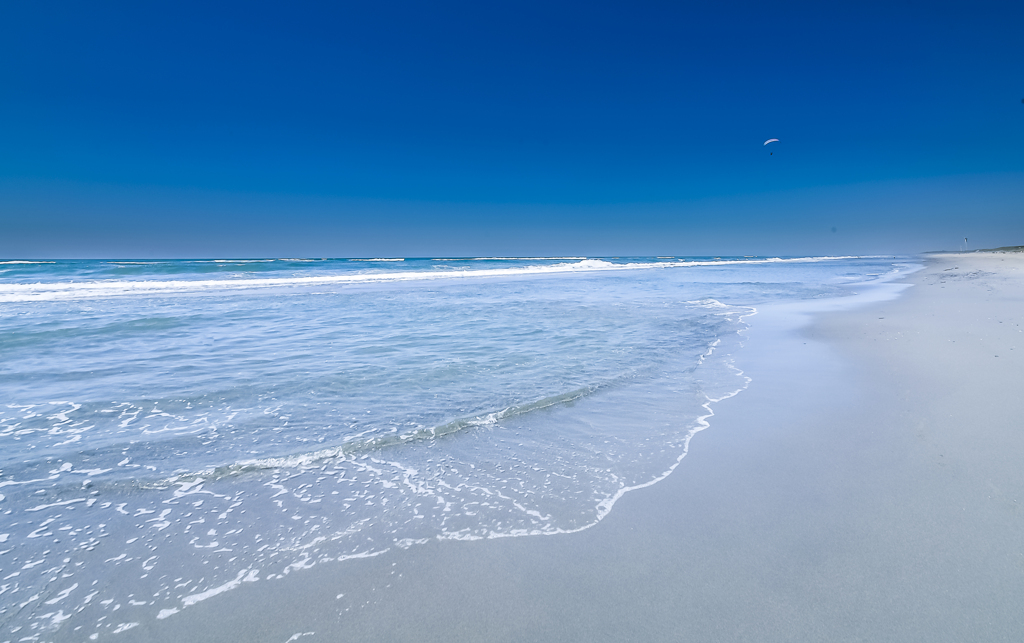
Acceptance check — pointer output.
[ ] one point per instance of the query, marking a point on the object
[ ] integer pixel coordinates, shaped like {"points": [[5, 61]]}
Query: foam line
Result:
{"points": [[108, 288], [353, 447]]}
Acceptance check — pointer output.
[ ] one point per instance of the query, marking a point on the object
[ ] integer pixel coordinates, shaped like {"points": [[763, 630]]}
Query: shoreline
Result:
{"points": [[835, 499]]}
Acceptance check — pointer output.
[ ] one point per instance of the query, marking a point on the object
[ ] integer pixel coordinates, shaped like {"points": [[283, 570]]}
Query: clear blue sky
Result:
{"points": [[162, 129]]}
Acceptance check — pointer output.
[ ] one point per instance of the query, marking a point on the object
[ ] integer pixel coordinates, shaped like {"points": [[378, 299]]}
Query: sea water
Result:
{"points": [[170, 430]]}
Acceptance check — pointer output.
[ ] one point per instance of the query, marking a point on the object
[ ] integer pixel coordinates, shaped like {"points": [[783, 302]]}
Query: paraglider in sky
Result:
{"points": [[771, 140]]}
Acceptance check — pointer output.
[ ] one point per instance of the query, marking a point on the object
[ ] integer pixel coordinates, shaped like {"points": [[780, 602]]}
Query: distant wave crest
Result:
{"points": [[102, 288]]}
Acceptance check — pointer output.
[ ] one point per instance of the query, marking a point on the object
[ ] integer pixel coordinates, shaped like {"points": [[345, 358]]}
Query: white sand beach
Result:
{"points": [[867, 486]]}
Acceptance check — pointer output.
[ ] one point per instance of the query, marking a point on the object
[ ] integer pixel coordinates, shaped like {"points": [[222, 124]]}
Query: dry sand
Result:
{"points": [[868, 486]]}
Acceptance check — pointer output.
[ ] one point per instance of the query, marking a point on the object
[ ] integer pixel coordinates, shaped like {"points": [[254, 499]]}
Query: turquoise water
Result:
{"points": [[172, 429]]}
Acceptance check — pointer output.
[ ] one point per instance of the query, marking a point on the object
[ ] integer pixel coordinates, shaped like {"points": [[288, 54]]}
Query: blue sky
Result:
{"points": [[165, 129]]}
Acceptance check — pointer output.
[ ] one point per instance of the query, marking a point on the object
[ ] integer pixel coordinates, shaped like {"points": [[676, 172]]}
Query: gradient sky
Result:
{"points": [[176, 129]]}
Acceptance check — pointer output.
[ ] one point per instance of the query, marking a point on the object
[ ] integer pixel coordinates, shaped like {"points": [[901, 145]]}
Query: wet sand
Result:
{"points": [[867, 486]]}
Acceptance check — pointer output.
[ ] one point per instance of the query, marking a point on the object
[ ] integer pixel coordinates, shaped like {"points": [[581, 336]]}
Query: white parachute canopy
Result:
{"points": [[771, 140]]}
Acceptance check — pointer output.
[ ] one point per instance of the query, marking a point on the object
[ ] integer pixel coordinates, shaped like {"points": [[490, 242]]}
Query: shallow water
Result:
{"points": [[170, 430]]}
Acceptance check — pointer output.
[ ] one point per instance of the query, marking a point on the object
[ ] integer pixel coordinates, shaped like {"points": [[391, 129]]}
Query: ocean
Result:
{"points": [[172, 430]]}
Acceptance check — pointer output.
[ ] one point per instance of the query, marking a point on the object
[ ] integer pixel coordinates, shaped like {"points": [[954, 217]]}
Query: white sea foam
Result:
{"points": [[243, 260], [112, 288], [56, 504], [246, 575], [510, 259]]}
